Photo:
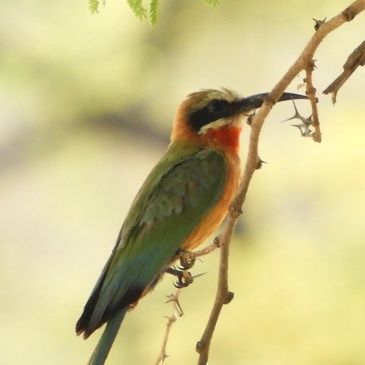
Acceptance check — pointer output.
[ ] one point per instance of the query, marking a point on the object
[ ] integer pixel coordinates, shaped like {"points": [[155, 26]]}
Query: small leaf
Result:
{"points": [[153, 11], [94, 6], [212, 2], [138, 9]]}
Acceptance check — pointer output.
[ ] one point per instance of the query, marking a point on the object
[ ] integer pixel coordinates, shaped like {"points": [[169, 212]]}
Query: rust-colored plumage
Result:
{"points": [[225, 139]]}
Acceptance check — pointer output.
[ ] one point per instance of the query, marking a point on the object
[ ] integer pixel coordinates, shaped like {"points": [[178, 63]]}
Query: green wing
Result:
{"points": [[175, 198]]}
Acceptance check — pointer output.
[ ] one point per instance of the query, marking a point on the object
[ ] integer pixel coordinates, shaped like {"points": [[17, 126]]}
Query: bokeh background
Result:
{"points": [[86, 104]]}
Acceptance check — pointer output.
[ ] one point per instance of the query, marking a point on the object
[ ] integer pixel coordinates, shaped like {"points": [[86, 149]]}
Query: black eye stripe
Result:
{"points": [[214, 110], [216, 105]]}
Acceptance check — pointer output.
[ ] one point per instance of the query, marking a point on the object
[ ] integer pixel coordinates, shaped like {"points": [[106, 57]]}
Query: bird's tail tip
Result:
{"points": [[105, 343]]}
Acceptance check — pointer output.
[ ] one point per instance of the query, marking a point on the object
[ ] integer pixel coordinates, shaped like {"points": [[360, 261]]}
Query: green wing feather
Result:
{"points": [[176, 196]]}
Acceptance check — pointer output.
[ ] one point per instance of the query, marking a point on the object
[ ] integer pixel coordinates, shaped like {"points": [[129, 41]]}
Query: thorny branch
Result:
{"points": [[177, 313], [303, 62], [356, 59], [311, 93]]}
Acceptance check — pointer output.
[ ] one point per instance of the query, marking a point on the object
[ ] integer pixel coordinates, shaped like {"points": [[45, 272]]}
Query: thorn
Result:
{"points": [[334, 97], [311, 66], [198, 275], [260, 162], [229, 297], [217, 241], [199, 347], [304, 130], [174, 298], [304, 126], [164, 357], [178, 311], [318, 23]]}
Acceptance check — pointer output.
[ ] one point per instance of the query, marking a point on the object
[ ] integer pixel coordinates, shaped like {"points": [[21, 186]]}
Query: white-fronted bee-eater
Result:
{"points": [[182, 201]]}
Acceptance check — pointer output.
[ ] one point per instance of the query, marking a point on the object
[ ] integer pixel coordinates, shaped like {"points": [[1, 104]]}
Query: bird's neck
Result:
{"points": [[226, 137]]}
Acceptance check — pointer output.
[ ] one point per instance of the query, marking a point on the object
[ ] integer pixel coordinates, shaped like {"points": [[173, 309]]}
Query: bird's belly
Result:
{"points": [[216, 215]]}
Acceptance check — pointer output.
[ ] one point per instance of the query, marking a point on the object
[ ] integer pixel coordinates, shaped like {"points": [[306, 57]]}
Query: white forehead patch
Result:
{"points": [[202, 98]]}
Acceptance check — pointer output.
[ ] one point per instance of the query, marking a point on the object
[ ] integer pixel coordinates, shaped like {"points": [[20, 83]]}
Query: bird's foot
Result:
{"points": [[187, 259], [184, 277]]}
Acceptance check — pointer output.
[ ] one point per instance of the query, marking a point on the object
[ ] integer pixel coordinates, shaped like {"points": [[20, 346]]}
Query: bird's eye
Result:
{"points": [[216, 105]]}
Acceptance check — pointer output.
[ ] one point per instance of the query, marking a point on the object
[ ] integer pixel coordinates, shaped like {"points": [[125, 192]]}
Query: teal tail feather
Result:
{"points": [[107, 338]]}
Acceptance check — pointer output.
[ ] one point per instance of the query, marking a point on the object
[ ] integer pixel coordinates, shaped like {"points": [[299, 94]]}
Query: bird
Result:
{"points": [[183, 200]]}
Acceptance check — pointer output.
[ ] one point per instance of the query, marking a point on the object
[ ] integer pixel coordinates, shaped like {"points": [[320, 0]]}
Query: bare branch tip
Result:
{"points": [[317, 137]]}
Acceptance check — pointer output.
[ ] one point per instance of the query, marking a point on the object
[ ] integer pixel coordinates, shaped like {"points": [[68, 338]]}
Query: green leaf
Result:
{"points": [[212, 2], [94, 6], [138, 8], [153, 11]]}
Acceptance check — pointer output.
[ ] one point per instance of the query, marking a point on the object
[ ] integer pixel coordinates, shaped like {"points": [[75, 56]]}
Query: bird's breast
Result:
{"points": [[216, 215]]}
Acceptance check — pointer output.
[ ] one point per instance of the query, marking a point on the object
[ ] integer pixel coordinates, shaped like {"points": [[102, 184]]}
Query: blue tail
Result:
{"points": [[107, 338]]}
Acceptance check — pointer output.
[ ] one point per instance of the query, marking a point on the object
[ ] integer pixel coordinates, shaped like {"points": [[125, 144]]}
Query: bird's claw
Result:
{"points": [[187, 260], [184, 279]]}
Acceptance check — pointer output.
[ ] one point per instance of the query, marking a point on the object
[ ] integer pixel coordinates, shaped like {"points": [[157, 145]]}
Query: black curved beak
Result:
{"points": [[255, 101]]}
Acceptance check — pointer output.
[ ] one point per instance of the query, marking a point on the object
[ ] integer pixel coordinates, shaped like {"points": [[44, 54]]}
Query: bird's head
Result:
{"points": [[215, 116]]}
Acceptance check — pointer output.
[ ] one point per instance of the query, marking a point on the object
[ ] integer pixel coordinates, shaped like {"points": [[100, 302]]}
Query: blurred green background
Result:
{"points": [[86, 104]]}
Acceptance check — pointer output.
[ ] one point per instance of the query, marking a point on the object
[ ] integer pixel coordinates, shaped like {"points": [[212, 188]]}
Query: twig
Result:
{"points": [[223, 296], [311, 93], [356, 59], [177, 313], [208, 249]]}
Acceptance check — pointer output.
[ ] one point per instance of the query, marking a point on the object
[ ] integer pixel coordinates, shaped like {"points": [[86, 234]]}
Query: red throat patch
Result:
{"points": [[226, 137]]}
